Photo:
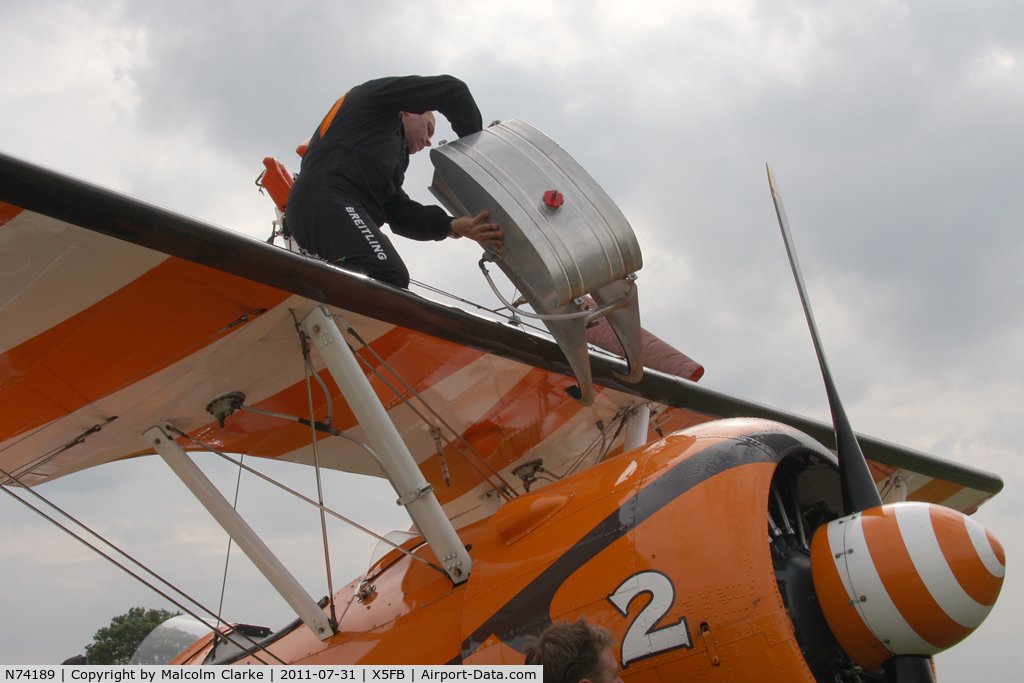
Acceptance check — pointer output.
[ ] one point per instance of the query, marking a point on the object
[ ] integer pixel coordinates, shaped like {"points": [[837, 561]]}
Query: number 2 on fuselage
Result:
{"points": [[643, 639]]}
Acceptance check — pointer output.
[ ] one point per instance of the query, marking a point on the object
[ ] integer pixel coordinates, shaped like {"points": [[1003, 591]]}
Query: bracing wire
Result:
{"points": [[307, 366], [327, 394], [177, 603], [622, 416], [320, 427], [227, 555], [500, 489], [585, 453], [310, 501], [586, 314], [512, 319]]}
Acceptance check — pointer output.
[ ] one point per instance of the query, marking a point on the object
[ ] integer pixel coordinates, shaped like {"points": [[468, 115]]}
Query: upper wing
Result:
{"points": [[116, 315]]}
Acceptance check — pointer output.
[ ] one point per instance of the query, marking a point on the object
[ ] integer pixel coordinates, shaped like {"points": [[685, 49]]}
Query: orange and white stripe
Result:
{"points": [[93, 328], [919, 577]]}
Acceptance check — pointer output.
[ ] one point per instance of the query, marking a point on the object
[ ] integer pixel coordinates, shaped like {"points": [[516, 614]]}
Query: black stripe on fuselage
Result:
{"points": [[529, 612]]}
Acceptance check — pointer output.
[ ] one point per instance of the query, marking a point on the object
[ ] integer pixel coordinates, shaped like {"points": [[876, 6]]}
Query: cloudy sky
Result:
{"points": [[894, 130]]}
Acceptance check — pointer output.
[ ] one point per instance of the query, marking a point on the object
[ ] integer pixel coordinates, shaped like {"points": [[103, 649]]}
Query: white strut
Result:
{"points": [[161, 438], [413, 490], [637, 425]]}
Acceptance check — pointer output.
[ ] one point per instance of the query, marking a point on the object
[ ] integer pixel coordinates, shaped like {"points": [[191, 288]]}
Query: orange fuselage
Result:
{"points": [[666, 545]]}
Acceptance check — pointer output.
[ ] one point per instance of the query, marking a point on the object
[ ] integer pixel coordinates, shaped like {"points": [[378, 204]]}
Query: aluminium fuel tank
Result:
{"points": [[564, 236]]}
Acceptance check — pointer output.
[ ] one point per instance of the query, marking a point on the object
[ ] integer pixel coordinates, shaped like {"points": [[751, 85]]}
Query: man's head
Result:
{"points": [[571, 653], [419, 128]]}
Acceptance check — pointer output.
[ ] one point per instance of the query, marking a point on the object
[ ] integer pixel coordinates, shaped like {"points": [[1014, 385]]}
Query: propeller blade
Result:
{"points": [[858, 487]]}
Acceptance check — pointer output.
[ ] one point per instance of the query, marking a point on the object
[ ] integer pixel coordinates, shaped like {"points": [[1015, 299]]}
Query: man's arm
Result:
{"points": [[419, 94], [409, 218]]}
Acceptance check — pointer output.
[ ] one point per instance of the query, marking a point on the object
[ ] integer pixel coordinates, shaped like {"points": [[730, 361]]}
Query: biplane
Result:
{"points": [[717, 538]]}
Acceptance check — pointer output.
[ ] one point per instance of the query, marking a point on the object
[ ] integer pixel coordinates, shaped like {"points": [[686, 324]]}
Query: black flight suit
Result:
{"points": [[351, 178]]}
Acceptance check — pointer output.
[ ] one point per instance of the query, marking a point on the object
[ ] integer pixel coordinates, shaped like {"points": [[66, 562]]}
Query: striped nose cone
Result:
{"points": [[905, 579]]}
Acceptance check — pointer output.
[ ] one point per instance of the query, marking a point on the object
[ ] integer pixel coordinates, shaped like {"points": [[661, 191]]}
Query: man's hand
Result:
{"points": [[478, 230]]}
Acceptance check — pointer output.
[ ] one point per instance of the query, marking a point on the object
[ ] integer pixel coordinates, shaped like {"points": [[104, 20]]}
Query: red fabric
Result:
{"points": [[658, 354]]}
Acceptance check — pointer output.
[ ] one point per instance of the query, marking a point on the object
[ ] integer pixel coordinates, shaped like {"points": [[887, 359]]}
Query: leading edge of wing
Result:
{"points": [[105, 211]]}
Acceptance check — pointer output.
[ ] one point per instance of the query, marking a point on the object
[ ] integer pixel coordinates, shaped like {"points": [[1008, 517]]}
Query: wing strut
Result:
{"points": [[161, 438], [637, 425], [413, 490]]}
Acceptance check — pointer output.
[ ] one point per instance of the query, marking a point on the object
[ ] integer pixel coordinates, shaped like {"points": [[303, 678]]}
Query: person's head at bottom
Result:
{"points": [[575, 653]]}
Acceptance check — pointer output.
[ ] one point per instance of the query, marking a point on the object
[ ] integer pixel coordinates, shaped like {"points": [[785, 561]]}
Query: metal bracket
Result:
{"points": [[225, 405], [414, 495]]}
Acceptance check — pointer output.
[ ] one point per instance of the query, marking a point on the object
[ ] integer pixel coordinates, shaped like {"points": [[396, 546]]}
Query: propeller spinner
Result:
{"points": [[897, 583], [905, 579]]}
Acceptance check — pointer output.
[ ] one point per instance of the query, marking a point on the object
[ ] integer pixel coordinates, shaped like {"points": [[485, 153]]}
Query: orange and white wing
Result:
{"points": [[116, 315]]}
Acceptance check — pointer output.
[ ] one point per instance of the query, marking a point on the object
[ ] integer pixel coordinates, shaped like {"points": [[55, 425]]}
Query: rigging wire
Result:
{"points": [[587, 314], [503, 489], [323, 509], [128, 571], [435, 290], [227, 556], [320, 426], [586, 452], [622, 416], [320, 380], [512, 319], [303, 498], [307, 365]]}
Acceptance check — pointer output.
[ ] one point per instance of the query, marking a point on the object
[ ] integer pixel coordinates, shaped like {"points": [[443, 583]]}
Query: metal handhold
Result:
{"points": [[365, 591]]}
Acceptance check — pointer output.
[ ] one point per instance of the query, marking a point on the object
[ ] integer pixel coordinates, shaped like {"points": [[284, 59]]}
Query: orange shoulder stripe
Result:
{"points": [[326, 123]]}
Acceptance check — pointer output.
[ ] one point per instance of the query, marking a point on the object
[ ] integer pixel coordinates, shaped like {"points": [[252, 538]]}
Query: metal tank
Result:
{"points": [[564, 236]]}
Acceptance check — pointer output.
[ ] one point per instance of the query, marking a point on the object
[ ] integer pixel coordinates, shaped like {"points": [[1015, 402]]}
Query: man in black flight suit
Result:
{"points": [[351, 178]]}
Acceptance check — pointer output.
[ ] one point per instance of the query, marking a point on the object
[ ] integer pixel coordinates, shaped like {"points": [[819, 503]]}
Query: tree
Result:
{"points": [[115, 644]]}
